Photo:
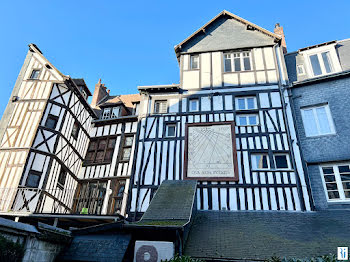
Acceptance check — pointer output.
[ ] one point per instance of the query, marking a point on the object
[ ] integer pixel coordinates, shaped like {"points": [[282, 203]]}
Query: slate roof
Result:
{"points": [[260, 235], [172, 205], [102, 248], [127, 100]]}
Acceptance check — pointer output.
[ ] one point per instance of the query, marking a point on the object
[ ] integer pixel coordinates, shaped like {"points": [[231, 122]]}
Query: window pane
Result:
{"points": [[252, 120], [93, 145], [246, 62], [62, 177], [260, 162], [33, 180], [115, 112], [344, 169], [111, 143], [102, 144], [90, 157], [51, 122], [346, 185], [126, 153], [345, 177], [331, 186], [228, 67], [328, 170], [108, 155], [333, 194], [323, 120], [35, 74], [194, 62], [171, 130], [347, 194], [281, 161], [329, 178], [310, 123], [128, 141], [315, 65], [237, 64], [99, 156], [193, 105], [326, 61], [243, 121], [251, 103], [121, 191], [241, 103]]}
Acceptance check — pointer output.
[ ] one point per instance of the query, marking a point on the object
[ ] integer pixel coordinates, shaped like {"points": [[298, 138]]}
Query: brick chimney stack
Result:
{"points": [[100, 92], [278, 30]]}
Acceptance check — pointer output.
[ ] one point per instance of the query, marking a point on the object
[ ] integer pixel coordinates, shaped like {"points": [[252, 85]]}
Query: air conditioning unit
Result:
{"points": [[153, 251]]}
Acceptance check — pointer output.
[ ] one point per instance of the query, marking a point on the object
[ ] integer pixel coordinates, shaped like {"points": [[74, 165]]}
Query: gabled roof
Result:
{"points": [[126, 100], [230, 15]]}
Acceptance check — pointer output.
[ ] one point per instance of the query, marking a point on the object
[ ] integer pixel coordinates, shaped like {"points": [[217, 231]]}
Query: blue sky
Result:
{"points": [[131, 43]]}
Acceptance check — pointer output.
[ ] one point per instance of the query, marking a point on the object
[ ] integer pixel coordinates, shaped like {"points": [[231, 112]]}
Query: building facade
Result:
{"points": [[319, 77], [222, 82]]}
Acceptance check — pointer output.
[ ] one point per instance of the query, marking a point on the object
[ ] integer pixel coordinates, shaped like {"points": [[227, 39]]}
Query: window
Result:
{"points": [[300, 70], [35, 74], [317, 121], [89, 198], [33, 179], [115, 112], [247, 120], [260, 161], [337, 182], [51, 121], [193, 105], [100, 151], [135, 110], [321, 63], [160, 106], [235, 62], [106, 113], [281, 161], [246, 103], [126, 149], [194, 64], [75, 130], [170, 130], [117, 197], [62, 177]]}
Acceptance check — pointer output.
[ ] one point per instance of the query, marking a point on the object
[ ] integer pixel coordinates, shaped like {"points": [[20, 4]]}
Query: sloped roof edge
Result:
{"points": [[224, 12]]}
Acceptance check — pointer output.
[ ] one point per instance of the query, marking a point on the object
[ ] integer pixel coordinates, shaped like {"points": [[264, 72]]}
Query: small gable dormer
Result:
{"points": [[228, 51]]}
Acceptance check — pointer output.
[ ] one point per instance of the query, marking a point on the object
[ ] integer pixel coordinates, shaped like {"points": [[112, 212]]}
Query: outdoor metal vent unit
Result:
{"points": [[153, 251]]}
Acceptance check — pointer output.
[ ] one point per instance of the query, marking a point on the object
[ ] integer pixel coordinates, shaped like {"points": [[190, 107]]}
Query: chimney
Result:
{"points": [[100, 92], [278, 30]]}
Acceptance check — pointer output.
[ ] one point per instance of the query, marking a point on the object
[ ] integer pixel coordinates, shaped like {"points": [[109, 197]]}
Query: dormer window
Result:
{"points": [[237, 61], [111, 112], [321, 63], [194, 63]]}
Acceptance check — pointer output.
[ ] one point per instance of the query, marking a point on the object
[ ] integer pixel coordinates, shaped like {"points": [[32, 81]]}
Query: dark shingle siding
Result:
{"points": [[343, 49]]}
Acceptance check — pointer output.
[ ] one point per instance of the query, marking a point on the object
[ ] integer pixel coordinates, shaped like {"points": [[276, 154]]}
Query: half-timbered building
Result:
{"points": [[44, 138], [227, 124]]}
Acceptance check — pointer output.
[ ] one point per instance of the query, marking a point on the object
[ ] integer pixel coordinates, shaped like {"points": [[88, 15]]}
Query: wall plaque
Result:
{"points": [[210, 152]]}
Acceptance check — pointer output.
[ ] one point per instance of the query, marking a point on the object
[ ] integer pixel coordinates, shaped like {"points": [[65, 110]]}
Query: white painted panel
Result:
{"points": [[205, 100], [257, 199], [205, 198], [184, 103], [269, 58], [279, 143], [190, 80], [264, 142], [272, 76], [296, 199], [251, 142], [273, 199], [217, 72], [250, 199], [163, 172], [205, 70], [217, 103], [215, 198], [264, 100], [223, 198], [258, 57], [106, 130], [99, 131], [246, 167], [289, 199], [233, 199], [228, 102], [230, 79], [247, 78], [38, 162], [261, 77], [171, 161], [173, 105], [186, 62], [270, 177], [242, 198], [276, 99], [281, 198], [229, 117], [257, 142]]}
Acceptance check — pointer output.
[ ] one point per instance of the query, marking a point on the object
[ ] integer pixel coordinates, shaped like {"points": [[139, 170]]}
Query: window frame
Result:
{"points": [[246, 103], [104, 115], [59, 183], [289, 167], [123, 147], [190, 100], [241, 58], [338, 182], [248, 122], [262, 154], [32, 74], [167, 125], [52, 117], [160, 101], [35, 173], [96, 150], [321, 62], [191, 62], [314, 113], [75, 134]]}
